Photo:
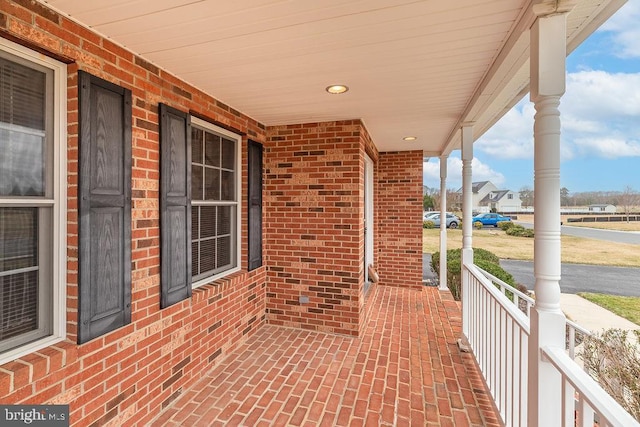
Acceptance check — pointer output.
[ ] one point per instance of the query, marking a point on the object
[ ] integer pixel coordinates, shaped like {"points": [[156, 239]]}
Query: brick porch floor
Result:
{"points": [[405, 370]]}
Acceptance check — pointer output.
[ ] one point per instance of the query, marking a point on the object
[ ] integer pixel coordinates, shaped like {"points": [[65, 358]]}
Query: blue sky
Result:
{"points": [[600, 115]]}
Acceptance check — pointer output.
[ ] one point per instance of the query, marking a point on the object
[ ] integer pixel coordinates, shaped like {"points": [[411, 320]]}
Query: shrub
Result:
{"points": [[428, 224], [613, 360], [518, 230], [483, 258], [456, 255], [505, 225], [480, 254], [478, 225]]}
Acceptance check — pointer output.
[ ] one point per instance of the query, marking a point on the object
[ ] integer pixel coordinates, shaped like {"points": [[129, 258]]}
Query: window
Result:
{"points": [[215, 195], [32, 200], [510, 196]]}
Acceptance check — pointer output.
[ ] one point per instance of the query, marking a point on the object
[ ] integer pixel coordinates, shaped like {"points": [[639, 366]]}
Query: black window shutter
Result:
{"points": [[175, 205], [254, 172], [104, 207]]}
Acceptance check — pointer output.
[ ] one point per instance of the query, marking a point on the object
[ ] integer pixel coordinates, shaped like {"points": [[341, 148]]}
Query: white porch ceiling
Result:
{"points": [[419, 68]]}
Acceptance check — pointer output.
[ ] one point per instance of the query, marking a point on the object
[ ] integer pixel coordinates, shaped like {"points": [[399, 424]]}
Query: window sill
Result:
{"points": [[218, 278], [210, 288]]}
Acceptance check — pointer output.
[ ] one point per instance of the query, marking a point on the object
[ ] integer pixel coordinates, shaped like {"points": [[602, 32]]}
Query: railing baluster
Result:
{"points": [[499, 336], [572, 343], [508, 381], [524, 375], [585, 412], [568, 404]]}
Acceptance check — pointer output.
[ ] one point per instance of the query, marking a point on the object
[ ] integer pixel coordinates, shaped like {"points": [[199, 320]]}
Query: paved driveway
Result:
{"points": [[583, 278], [595, 233], [575, 277]]}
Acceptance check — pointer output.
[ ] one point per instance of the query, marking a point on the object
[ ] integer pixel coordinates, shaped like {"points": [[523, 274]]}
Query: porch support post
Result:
{"points": [[467, 226], [443, 223], [547, 326]]}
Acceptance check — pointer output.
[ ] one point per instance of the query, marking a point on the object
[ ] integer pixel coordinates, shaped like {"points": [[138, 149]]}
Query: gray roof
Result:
{"points": [[498, 195], [475, 186]]}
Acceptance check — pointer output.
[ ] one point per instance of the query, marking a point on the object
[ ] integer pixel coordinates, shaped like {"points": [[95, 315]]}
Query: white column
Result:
{"points": [[467, 227], [467, 193], [548, 55], [443, 223]]}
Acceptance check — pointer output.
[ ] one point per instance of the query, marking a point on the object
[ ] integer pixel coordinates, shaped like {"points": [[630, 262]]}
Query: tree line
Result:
{"points": [[626, 201]]}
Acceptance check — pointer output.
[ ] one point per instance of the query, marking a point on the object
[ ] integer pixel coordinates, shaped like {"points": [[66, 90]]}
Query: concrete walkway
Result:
{"points": [[592, 316]]}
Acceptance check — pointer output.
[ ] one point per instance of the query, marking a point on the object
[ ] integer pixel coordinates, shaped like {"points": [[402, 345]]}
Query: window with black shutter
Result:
{"points": [[199, 203], [104, 207]]}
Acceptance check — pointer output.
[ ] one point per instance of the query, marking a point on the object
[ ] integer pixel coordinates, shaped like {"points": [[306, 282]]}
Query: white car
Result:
{"points": [[426, 215], [452, 220]]}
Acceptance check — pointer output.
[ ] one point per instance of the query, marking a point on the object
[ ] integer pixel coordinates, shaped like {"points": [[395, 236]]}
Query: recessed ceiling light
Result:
{"points": [[337, 89], [410, 138]]}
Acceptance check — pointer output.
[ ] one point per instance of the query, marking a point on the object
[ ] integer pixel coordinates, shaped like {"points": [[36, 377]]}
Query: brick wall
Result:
{"points": [[127, 376], [313, 225], [313, 245], [399, 208]]}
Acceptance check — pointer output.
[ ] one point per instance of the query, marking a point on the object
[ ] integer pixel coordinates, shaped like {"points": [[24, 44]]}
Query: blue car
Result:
{"points": [[489, 219]]}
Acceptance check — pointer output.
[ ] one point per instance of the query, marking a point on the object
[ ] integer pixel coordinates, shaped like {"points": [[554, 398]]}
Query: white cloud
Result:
{"points": [[480, 172], [625, 30], [512, 136], [599, 95], [600, 116], [609, 148]]}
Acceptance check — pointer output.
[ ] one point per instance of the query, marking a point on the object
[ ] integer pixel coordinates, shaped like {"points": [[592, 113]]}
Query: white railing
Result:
{"points": [[575, 333], [498, 334], [521, 300], [584, 402]]}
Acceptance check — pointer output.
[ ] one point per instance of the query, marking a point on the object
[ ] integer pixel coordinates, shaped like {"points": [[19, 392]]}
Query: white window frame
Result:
{"points": [[58, 202], [195, 121]]}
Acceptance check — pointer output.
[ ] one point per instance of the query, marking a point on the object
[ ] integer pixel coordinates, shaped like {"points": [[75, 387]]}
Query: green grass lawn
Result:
{"points": [[627, 307]]}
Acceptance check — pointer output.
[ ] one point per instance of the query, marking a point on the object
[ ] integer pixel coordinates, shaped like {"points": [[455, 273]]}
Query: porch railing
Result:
{"points": [[574, 332], [498, 334], [584, 402]]}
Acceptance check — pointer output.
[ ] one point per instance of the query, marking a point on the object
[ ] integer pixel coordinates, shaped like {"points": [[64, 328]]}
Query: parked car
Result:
{"points": [[427, 214], [489, 219], [452, 220]]}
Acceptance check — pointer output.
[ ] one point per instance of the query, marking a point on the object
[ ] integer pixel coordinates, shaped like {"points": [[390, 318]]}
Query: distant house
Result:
{"points": [[480, 190], [602, 208], [502, 201], [486, 196]]}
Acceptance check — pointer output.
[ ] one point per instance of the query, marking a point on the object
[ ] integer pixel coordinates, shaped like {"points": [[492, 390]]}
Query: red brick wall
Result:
{"points": [[400, 218], [313, 241], [127, 376], [313, 225]]}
